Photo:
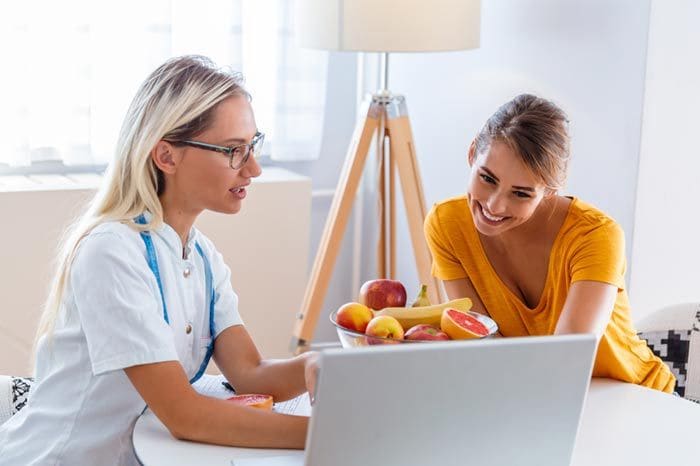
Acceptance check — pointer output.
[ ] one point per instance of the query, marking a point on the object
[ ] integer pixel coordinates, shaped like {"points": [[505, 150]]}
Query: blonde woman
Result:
{"points": [[142, 299]]}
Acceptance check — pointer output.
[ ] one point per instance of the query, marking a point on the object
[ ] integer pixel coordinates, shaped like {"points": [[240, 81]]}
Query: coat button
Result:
{"points": [[188, 329], [186, 272]]}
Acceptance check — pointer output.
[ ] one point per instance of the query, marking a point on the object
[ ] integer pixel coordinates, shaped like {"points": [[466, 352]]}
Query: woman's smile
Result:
{"points": [[239, 192], [488, 218]]}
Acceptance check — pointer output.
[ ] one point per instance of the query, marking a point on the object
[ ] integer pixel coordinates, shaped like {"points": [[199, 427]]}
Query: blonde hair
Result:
{"points": [[176, 102]]}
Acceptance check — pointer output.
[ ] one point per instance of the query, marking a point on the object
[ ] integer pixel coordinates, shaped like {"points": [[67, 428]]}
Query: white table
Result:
{"points": [[625, 424], [622, 424]]}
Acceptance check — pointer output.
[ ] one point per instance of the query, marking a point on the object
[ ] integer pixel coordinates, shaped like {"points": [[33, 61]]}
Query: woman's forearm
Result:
{"points": [[220, 422], [281, 378]]}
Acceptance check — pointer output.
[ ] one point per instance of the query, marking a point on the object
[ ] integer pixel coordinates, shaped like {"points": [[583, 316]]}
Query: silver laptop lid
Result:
{"points": [[505, 401]]}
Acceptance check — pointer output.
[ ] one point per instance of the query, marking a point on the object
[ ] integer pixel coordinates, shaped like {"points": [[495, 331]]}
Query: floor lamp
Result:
{"points": [[381, 26]]}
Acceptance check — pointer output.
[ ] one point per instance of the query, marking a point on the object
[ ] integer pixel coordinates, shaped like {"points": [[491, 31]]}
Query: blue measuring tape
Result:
{"points": [[153, 265]]}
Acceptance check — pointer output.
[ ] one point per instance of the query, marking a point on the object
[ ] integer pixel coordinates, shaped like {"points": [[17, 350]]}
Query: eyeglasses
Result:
{"points": [[238, 155]]}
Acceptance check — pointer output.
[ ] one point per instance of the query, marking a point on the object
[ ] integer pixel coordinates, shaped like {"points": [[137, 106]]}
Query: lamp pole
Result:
{"points": [[386, 187]]}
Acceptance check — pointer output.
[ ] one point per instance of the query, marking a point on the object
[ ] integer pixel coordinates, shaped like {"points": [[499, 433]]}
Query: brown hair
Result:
{"points": [[537, 130]]}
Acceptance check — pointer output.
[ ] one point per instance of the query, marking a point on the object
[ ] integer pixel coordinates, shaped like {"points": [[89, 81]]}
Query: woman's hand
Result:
{"points": [[311, 372]]}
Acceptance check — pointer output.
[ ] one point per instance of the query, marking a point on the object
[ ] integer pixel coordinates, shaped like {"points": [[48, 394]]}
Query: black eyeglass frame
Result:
{"points": [[254, 147]]}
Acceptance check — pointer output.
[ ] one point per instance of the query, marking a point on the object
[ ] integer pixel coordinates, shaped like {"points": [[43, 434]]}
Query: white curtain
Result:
{"points": [[70, 69]]}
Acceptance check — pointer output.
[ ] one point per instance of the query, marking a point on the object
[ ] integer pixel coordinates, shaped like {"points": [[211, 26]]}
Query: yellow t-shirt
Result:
{"points": [[589, 246]]}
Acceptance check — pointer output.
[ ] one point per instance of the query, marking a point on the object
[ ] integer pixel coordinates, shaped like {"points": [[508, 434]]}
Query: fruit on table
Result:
{"points": [[253, 400], [462, 326], [425, 332], [354, 316], [422, 298], [432, 315], [384, 327], [381, 293]]}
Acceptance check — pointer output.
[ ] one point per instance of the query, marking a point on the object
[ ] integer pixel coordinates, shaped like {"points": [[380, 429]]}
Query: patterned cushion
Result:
{"points": [[20, 392], [14, 392], [673, 334]]}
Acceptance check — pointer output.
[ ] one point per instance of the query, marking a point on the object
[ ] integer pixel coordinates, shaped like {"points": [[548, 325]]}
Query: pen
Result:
{"points": [[228, 386]]}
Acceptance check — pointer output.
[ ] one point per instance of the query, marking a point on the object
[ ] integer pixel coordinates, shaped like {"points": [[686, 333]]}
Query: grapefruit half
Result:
{"points": [[461, 326], [253, 400]]}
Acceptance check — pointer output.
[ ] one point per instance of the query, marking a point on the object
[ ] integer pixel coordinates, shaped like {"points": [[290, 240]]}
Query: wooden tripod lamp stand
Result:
{"points": [[381, 26]]}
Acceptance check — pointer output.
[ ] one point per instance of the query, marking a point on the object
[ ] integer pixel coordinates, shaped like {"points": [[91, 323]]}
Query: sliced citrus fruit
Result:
{"points": [[253, 400], [461, 326]]}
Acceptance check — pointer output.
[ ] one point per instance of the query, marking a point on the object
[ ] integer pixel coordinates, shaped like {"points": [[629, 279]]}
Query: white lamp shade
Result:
{"points": [[388, 25]]}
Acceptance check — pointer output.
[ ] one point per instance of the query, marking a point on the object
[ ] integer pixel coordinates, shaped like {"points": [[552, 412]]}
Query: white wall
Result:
{"points": [[666, 250], [589, 57]]}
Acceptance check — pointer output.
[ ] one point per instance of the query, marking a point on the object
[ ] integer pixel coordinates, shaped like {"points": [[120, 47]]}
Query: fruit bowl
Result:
{"points": [[349, 338]]}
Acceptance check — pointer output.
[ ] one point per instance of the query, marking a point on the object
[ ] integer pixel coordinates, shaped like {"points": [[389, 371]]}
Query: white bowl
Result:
{"points": [[350, 338]]}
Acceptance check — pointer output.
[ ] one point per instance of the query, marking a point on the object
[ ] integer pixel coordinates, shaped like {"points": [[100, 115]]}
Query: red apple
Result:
{"points": [[381, 293], [384, 327], [354, 316], [425, 332]]}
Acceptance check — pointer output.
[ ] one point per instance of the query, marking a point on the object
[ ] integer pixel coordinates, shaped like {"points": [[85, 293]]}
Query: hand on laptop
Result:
{"points": [[310, 373]]}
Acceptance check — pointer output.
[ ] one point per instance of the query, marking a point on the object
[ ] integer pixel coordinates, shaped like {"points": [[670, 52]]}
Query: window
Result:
{"points": [[72, 67]]}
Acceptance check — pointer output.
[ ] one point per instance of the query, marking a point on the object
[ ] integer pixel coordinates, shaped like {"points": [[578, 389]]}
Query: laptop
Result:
{"points": [[497, 402]]}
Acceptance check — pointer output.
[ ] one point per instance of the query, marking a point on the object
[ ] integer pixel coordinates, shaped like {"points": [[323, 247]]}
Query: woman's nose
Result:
{"points": [[496, 204], [252, 167]]}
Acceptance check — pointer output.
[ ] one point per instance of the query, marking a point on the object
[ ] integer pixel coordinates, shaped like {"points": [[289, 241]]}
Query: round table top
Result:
{"points": [[626, 424], [622, 424]]}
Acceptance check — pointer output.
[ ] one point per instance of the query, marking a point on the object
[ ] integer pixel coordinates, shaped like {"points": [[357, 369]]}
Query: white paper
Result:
{"points": [[212, 385], [299, 406]]}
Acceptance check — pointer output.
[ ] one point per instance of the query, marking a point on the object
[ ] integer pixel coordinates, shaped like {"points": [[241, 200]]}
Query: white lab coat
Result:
{"points": [[83, 407]]}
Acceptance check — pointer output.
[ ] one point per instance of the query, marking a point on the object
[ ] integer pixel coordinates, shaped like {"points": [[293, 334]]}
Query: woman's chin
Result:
{"points": [[227, 208], [488, 227], [233, 209], [487, 230]]}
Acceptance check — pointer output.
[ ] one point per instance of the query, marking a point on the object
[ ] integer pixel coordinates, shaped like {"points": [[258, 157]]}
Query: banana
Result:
{"points": [[410, 316], [422, 298]]}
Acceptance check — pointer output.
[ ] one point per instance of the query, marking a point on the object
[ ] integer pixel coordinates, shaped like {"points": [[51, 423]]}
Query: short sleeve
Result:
{"points": [[446, 265], [118, 305], [226, 304], [599, 255]]}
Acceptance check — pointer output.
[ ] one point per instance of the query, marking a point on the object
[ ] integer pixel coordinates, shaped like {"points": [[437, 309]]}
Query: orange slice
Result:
{"points": [[461, 326], [253, 400]]}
